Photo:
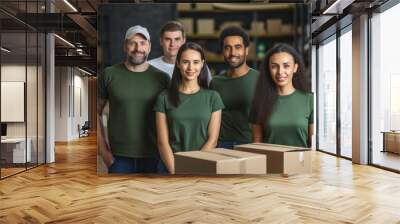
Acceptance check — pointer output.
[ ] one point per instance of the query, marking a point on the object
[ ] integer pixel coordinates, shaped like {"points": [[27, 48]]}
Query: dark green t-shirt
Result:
{"points": [[188, 123], [131, 97], [237, 95], [289, 122]]}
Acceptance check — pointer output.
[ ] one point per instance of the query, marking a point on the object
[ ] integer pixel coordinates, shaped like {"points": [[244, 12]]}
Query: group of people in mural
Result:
{"points": [[172, 103]]}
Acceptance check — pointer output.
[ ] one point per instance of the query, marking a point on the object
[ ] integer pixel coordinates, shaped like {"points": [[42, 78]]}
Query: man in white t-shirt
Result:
{"points": [[172, 37]]}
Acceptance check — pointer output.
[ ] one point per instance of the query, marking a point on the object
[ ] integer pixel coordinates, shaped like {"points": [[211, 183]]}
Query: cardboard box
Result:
{"points": [[257, 27], [219, 161], [183, 6], [274, 25], [287, 29], [281, 159], [204, 6], [187, 24], [205, 26]]}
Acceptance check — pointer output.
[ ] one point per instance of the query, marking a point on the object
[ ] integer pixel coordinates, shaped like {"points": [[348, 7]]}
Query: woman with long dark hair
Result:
{"points": [[188, 114], [282, 110]]}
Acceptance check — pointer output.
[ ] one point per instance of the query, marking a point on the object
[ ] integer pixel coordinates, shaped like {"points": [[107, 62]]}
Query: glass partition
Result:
{"points": [[385, 89], [346, 93], [327, 96], [14, 152], [22, 90]]}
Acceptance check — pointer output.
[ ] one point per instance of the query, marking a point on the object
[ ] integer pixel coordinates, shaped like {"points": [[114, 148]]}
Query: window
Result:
{"points": [[327, 96], [385, 84]]}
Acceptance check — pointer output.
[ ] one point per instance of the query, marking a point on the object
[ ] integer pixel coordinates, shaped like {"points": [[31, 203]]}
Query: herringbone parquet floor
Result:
{"points": [[69, 191]]}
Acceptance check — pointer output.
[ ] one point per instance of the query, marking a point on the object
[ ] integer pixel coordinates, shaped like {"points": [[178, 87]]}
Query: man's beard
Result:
{"points": [[242, 60], [136, 60]]}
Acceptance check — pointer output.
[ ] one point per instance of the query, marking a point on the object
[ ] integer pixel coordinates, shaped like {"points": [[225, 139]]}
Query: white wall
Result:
{"points": [[81, 104], [16, 73], [71, 94], [61, 103]]}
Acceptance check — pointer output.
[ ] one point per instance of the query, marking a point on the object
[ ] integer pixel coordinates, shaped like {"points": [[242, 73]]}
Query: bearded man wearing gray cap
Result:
{"points": [[130, 88]]}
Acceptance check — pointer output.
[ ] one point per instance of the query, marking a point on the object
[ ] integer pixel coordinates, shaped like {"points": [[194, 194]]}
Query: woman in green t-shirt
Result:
{"points": [[188, 114], [282, 110]]}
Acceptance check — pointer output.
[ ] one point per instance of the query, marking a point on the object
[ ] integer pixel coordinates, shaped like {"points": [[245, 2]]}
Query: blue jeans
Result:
{"points": [[229, 144], [133, 165], [161, 168]]}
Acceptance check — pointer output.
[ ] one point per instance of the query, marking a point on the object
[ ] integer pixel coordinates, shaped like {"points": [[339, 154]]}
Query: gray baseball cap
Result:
{"points": [[137, 30]]}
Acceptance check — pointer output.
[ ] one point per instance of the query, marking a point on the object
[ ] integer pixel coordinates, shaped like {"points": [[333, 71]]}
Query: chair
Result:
{"points": [[84, 130]]}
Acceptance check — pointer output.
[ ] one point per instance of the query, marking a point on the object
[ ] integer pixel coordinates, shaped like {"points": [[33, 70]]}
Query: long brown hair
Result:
{"points": [[176, 81], [266, 93]]}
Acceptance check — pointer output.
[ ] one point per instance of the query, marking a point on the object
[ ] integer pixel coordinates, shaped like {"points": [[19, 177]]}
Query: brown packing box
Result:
{"points": [[183, 6], [187, 23], [257, 27], [205, 26], [287, 29], [281, 159], [274, 25], [219, 161], [204, 6]]}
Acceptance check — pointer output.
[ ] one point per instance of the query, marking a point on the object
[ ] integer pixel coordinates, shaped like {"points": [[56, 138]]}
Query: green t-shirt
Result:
{"points": [[289, 121], [188, 123], [131, 96], [237, 95]]}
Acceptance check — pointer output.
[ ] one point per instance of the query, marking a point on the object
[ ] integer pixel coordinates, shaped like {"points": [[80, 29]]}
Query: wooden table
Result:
{"points": [[391, 141]]}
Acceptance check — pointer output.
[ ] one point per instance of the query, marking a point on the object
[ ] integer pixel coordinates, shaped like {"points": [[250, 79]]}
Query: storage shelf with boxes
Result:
{"points": [[266, 25], [287, 33], [230, 7]]}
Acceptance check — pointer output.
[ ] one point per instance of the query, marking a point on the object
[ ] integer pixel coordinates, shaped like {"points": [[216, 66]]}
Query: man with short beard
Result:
{"points": [[131, 89], [236, 87]]}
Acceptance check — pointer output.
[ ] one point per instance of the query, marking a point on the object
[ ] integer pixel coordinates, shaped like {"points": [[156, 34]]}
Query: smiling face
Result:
{"points": [[282, 68], [190, 64], [171, 41], [137, 49], [234, 51]]}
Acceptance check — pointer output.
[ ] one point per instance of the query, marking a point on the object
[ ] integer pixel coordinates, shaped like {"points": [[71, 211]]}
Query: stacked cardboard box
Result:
{"points": [[287, 29], [257, 28], [183, 6], [204, 6], [274, 25], [281, 159], [187, 23], [219, 161], [205, 26]]}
